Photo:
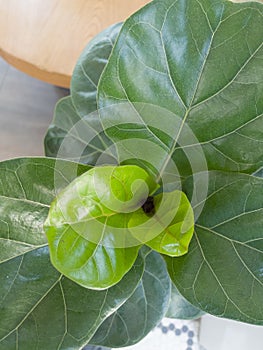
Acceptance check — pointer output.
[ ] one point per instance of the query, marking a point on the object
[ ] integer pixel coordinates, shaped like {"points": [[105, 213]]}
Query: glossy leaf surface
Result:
{"points": [[27, 187], [75, 132], [65, 117], [44, 310], [202, 61], [180, 308], [76, 138], [142, 311], [259, 173], [87, 224], [88, 70], [222, 273], [41, 309], [171, 225]]}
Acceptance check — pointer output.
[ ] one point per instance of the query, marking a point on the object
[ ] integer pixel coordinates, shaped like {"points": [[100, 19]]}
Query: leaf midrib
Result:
{"points": [[219, 283], [25, 200], [23, 253], [228, 239], [33, 308], [191, 105], [188, 110]]}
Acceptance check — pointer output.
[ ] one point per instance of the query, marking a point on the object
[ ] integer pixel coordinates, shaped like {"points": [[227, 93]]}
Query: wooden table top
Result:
{"points": [[44, 38]]}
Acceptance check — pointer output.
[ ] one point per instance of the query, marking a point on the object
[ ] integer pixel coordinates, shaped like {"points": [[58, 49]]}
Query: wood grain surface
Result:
{"points": [[44, 38]]}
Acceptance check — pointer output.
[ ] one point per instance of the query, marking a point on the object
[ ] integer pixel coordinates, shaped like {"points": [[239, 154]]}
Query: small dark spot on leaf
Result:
{"points": [[148, 206]]}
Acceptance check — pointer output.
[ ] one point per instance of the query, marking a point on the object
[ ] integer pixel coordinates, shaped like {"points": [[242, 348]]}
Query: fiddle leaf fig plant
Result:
{"points": [[157, 207]]}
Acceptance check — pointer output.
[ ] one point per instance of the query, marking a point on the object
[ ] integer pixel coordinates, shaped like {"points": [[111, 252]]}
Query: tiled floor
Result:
{"points": [[26, 109]]}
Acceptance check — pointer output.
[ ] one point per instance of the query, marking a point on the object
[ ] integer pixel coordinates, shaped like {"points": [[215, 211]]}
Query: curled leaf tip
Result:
{"points": [[97, 224]]}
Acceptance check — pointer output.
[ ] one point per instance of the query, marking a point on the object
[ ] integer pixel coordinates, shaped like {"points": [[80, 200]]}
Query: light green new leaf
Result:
{"points": [[222, 273], [202, 61], [87, 226], [142, 311], [76, 132], [180, 308], [170, 227], [40, 308]]}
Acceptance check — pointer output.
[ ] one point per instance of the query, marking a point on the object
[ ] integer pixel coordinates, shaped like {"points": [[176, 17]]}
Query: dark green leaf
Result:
{"points": [[259, 173], [202, 61], [88, 70], [27, 186], [180, 308], [75, 132], [222, 273], [75, 138], [142, 311], [39, 308], [65, 118]]}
